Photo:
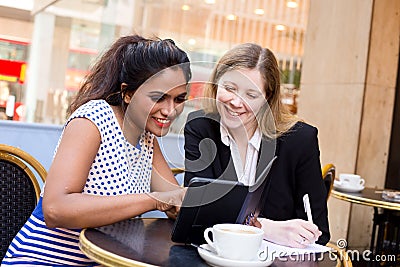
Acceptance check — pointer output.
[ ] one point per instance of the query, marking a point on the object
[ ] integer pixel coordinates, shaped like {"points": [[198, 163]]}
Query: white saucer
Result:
{"points": [[346, 188], [215, 260]]}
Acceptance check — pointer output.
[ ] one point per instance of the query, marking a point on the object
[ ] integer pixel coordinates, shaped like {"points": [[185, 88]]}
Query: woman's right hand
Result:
{"points": [[168, 200], [296, 233]]}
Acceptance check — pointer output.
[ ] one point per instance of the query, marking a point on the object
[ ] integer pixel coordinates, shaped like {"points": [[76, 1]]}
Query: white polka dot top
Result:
{"points": [[119, 167]]}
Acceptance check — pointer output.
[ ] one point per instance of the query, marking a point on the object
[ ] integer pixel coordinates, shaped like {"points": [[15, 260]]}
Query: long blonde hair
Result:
{"points": [[273, 121]]}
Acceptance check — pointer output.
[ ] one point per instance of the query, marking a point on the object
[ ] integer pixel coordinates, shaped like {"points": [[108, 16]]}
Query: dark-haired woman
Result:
{"points": [[108, 165]]}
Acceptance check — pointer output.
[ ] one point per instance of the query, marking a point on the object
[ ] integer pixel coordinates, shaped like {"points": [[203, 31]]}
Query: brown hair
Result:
{"points": [[273, 121], [131, 60]]}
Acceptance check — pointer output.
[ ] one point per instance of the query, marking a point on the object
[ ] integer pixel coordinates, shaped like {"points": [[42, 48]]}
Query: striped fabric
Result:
{"points": [[119, 168], [37, 245]]}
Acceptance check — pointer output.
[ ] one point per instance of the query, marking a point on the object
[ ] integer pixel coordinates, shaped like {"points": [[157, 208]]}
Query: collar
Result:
{"points": [[227, 139]]}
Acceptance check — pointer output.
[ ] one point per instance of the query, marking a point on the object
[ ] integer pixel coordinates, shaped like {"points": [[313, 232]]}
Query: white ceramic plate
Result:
{"points": [[347, 189], [214, 260]]}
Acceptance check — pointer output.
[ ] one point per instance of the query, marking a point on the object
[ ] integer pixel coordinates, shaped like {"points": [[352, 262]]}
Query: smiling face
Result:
{"points": [[240, 96], [155, 104]]}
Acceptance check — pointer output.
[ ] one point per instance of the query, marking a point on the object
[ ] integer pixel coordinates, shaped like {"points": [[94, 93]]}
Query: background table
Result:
{"points": [[147, 242], [369, 197], [386, 224]]}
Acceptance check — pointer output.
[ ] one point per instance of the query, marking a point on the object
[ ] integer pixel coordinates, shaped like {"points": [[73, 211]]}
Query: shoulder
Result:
{"points": [[97, 111], [202, 115], [93, 104], [199, 117], [297, 145], [301, 137], [196, 114], [300, 130], [93, 109], [202, 124]]}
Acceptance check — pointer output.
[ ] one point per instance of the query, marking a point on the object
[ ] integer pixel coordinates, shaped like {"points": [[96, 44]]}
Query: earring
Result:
{"points": [[127, 98]]}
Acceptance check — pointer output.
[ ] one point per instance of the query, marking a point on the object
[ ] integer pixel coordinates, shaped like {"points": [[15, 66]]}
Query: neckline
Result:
{"points": [[120, 129], [139, 144]]}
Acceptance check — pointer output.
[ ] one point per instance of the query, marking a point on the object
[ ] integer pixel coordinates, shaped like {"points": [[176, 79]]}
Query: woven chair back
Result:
{"points": [[19, 192], [328, 174]]}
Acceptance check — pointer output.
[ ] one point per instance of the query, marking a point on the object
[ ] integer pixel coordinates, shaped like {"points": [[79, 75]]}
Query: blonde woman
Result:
{"points": [[242, 128]]}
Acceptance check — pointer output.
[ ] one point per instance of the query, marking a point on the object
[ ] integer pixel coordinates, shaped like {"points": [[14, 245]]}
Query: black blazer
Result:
{"points": [[295, 172]]}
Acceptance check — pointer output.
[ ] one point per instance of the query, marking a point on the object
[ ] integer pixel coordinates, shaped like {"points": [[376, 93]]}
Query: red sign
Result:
{"points": [[19, 111], [12, 71]]}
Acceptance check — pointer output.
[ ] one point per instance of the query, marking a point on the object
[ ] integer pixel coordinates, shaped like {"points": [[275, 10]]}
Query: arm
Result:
{"points": [[64, 205], [309, 181], [296, 173]]}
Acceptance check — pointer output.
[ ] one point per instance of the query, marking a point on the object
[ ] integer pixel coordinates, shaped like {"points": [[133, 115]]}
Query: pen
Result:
{"points": [[307, 207]]}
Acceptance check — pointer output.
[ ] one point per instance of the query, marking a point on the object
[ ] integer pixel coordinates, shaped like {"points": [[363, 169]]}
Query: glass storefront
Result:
{"points": [[203, 28]]}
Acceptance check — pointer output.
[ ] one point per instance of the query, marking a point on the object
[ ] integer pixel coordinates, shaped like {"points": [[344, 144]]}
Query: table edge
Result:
{"points": [[104, 257], [365, 201]]}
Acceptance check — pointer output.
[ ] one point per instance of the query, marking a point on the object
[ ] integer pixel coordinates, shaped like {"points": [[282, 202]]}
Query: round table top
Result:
{"points": [[147, 242], [369, 197]]}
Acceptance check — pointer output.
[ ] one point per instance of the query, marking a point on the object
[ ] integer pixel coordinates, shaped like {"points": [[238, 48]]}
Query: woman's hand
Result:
{"points": [[169, 200], [172, 213], [255, 222], [293, 233]]}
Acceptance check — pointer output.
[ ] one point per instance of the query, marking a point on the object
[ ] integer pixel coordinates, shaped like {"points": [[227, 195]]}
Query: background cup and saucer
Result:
{"points": [[349, 183], [233, 245]]}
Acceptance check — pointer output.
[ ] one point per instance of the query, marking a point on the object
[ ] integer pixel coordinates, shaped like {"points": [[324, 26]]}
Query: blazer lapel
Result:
{"points": [[227, 162], [268, 150]]}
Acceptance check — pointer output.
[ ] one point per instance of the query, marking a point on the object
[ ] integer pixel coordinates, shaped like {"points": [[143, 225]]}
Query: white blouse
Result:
{"points": [[246, 175]]}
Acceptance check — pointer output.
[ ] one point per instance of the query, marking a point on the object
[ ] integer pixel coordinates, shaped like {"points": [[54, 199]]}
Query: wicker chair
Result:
{"points": [[176, 171], [19, 191], [328, 174]]}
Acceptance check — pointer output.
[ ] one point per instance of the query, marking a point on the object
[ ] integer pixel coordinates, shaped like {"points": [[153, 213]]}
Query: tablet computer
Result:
{"points": [[207, 202], [212, 201]]}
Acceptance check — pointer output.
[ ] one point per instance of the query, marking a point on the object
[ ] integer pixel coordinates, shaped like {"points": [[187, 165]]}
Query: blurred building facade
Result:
{"points": [[52, 43]]}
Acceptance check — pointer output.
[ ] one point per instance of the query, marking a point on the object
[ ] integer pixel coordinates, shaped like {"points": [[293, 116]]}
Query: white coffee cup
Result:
{"points": [[235, 241], [351, 180]]}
